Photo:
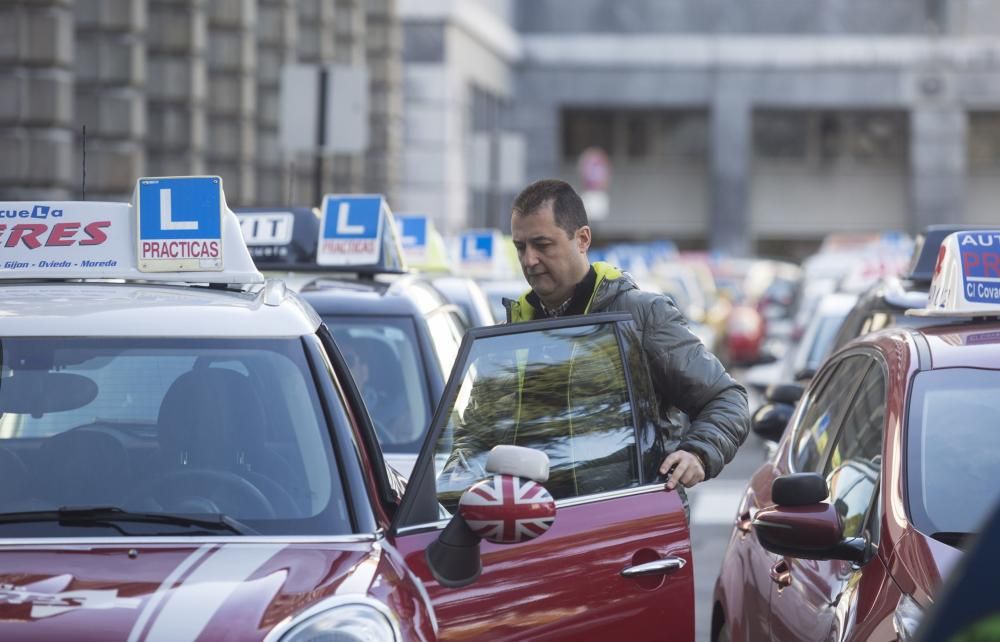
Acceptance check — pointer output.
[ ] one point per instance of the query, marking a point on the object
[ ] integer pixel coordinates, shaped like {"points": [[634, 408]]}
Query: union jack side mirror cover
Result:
{"points": [[505, 509]]}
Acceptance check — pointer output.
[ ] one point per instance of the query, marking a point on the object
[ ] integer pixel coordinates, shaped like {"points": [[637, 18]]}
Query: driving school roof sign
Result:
{"points": [[966, 279], [99, 240], [358, 231], [180, 224]]}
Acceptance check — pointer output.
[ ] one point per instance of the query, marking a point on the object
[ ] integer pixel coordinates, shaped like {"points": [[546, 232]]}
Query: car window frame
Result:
{"points": [[421, 494], [871, 530], [822, 379]]}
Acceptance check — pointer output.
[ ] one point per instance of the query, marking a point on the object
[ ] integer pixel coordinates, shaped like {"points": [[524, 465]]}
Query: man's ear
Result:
{"points": [[583, 239]]}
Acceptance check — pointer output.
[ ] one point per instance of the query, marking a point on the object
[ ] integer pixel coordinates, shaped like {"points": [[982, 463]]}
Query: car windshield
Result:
{"points": [[177, 426], [384, 357], [951, 455]]}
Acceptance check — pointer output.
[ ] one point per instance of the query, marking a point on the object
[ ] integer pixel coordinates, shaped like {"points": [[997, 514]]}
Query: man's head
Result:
{"points": [[551, 234]]}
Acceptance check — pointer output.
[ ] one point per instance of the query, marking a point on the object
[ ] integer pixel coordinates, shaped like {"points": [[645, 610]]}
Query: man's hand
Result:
{"points": [[688, 471]]}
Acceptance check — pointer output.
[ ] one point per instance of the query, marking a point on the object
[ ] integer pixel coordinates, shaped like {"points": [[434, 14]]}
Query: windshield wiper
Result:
{"points": [[108, 515]]}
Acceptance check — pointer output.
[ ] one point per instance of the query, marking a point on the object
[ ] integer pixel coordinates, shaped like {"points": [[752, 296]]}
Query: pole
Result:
{"points": [[320, 138], [83, 180]]}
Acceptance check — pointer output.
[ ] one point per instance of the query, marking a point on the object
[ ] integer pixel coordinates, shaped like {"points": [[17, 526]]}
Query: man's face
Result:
{"points": [[553, 263]]}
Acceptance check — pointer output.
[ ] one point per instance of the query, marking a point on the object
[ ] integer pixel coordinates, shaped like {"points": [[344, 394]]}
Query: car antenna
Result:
{"points": [[83, 180]]}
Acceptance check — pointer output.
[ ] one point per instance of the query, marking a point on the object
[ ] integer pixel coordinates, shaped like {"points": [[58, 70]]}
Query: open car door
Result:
{"points": [[616, 562]]}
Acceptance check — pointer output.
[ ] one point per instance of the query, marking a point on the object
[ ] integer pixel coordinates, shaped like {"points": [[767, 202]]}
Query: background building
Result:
{"points": [[169, 87], [754, 126]]}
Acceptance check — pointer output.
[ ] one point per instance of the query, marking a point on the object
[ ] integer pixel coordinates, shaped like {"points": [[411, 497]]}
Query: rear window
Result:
{"points": [[952, 459], [389, 369], [186, 426]]}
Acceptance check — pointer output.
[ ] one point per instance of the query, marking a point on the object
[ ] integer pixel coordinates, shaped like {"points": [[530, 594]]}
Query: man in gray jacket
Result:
{"points": [[551, 233]]}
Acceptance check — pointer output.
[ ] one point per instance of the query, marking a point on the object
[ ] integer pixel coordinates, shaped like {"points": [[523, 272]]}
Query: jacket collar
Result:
{"points": [[609, 282]]}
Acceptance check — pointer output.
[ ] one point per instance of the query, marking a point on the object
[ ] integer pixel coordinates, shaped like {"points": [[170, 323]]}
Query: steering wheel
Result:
{"points": [[200, 490]]}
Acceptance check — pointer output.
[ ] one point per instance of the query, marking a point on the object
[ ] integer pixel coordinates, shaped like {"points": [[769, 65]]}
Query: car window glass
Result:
{"points": [[855, 462], [951, 454], [446, 334], [562, 391], [382, 354], [169, 425], [823, 408]]}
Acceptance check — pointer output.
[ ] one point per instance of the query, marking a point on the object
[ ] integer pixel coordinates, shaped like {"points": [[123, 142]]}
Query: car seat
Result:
{"points": [[212, 418], [385, 390]]}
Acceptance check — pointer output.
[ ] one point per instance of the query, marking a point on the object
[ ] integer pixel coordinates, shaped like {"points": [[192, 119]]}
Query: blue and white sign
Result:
{"points": [[351, 230], [980, 252], [477, 246], [966, 280], [180, 224], [413, 230]]}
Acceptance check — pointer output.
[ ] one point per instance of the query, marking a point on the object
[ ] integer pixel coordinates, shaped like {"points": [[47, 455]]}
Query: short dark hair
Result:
{"points": [[567, 206]]}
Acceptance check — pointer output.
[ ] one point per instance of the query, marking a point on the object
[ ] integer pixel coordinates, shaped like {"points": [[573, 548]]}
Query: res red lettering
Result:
{"points": [[96, 233], [28, 232], [62, 235]]}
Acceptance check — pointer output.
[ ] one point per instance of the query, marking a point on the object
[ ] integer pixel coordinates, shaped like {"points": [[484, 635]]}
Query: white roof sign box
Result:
{"points": [[483, 253], [177, 239], [358, 232], [966, 279]]}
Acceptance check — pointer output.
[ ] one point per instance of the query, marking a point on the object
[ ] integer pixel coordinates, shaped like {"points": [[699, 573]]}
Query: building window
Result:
{"points": [[637, 127], [585, 128], [825, 138], [781, 135], [637, 135], [685, 135], [983, 141]]}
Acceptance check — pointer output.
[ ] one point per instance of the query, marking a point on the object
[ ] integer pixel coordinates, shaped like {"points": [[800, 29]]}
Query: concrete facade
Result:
{"points": [[198, 92], [37, 102], [850, 70], [459, 84]]}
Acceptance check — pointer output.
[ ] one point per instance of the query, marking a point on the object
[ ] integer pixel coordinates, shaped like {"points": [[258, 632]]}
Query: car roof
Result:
{"points": [[406, 295], [970, 344], [104, 309]]}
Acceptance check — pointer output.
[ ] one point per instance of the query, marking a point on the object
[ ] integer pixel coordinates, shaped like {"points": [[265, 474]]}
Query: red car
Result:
{"points": [[884, 471], [190, 462], [883, 474]]}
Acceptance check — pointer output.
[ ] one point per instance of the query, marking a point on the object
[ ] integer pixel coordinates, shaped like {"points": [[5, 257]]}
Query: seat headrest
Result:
{"points": [[210, 417]]}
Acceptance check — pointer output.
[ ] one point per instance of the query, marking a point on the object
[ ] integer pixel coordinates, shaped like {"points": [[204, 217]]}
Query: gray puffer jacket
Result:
{"points": [[684, 374]]}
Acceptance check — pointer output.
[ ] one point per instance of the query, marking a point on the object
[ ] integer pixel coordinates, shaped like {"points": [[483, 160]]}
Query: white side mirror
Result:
{"points": [[519, 461]]}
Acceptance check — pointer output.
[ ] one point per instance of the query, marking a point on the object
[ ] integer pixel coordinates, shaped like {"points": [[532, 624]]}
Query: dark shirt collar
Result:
{"points": [[577, 303]]}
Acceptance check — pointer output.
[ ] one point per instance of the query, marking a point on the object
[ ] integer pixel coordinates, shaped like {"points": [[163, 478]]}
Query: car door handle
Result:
{"points": [[781, 574], [659, 567]]}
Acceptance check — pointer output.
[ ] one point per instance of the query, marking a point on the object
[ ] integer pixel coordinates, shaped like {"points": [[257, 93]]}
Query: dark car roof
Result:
{"points": [[892, 298], [926, 251], [406, 295]]}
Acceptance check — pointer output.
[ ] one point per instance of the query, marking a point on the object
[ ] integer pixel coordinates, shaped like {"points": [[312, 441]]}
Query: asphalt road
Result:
{"points": [[713, 509]]}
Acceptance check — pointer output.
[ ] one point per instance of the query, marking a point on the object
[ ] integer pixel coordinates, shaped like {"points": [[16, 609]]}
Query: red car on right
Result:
{"points": [[884, 473]]}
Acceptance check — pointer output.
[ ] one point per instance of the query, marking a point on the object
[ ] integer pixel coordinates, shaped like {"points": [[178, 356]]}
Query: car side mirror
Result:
{"points": [[502, 509], [802, 525], [769, 421], [786, 393], [805, 374], [799, 489]]}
